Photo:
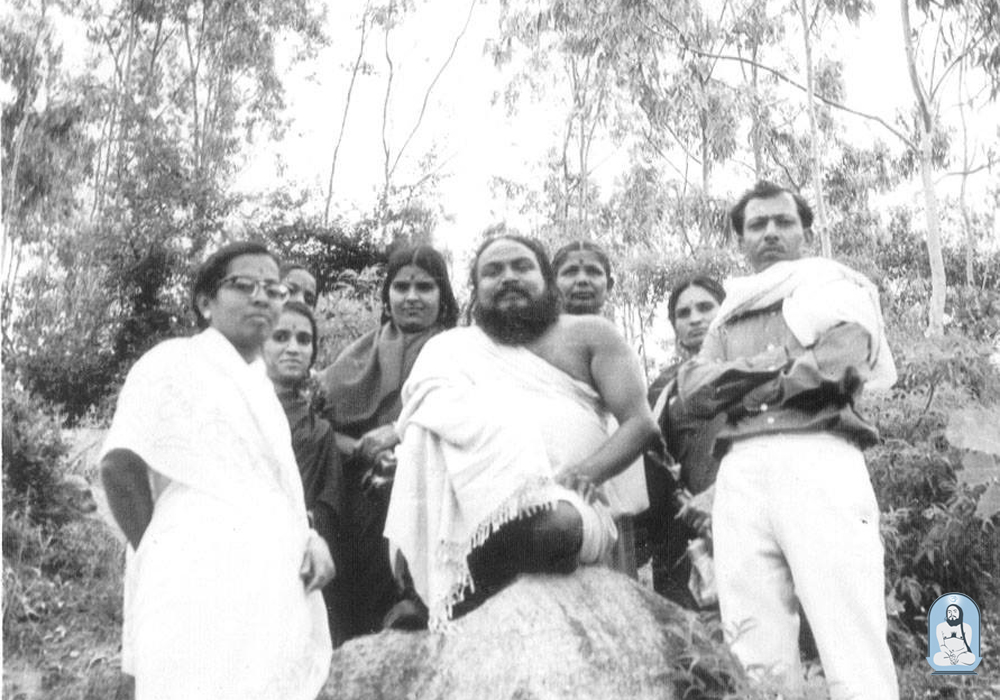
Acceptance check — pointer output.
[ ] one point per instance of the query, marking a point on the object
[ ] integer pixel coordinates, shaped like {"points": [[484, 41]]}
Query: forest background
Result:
{"points": [[139, 135]]}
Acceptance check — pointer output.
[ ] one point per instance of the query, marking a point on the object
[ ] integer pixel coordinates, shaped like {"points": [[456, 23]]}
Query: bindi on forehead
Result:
{"points": [[411, 273]]}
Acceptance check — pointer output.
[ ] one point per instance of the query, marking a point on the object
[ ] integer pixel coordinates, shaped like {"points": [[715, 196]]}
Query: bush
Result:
{"points": [[348, 311], [935, 540], [33, 452]]}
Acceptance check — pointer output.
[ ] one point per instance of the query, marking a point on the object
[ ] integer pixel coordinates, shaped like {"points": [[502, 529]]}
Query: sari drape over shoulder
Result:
{"points": [[214, 606], [362, 392], [363, 385], [316, 454], [324, 490], [485, 428]]}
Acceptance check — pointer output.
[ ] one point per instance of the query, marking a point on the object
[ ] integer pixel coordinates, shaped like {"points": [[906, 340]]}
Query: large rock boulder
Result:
{"points": [[592, 634]]}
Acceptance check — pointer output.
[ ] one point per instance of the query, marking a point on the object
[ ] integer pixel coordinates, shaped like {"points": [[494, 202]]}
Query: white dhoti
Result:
{"points": [[485, 428]]}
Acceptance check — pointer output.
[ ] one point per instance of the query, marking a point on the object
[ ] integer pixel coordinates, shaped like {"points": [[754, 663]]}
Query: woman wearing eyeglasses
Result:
{"points": [[289, 353], [223, 573]]}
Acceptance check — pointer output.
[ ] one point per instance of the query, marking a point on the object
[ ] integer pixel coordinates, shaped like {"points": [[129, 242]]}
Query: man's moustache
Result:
{"points": [[512, 288]]}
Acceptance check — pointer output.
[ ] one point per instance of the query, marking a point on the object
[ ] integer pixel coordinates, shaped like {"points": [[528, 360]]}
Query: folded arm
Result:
{"points": [[831, 369]]}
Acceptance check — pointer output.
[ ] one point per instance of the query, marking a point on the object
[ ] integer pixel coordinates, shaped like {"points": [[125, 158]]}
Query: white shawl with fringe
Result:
{"points": [[214, 606], [818, 294], [485, 427]]}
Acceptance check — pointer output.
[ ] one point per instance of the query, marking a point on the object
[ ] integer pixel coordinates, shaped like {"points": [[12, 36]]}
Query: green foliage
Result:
{"points": [[939, 533], [349, 310], [326, 251], [116, 182], [33, 453], [61, 598], [976, 432]]}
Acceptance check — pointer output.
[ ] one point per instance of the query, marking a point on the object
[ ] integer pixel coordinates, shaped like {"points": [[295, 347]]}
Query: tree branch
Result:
{"points": [[781, 76], [988, 165], [385, 117], [343, 118], [430, 88]]}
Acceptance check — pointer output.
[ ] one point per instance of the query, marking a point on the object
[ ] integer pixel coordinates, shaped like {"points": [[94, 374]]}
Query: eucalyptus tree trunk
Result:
{"points": [[756, 130], [820, 222], [970, 235], [935, 311]]}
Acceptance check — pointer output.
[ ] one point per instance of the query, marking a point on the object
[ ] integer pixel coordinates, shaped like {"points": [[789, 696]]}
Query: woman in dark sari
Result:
{"points": [[289, 353], [680, 509], [362, 392]]}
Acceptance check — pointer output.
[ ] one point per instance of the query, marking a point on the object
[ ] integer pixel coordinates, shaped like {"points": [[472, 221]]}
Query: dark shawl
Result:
{"points": [[318, 460], [363, 385]]}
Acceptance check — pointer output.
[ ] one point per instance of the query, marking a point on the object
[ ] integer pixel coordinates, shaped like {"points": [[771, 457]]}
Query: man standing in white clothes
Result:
{"points": [[795, 517]]}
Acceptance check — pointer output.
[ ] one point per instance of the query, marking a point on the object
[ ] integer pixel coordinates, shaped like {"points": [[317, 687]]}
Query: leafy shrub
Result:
{"points": [[935, 539], [33, 451], [348, 311]]}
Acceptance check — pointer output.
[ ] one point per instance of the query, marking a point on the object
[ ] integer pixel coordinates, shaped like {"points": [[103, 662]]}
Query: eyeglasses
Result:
{"points": [[308, 296], [249, 286]]}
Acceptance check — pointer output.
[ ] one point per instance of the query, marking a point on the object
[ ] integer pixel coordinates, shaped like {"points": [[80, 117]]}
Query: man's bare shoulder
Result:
{"points": [[589, 329]]}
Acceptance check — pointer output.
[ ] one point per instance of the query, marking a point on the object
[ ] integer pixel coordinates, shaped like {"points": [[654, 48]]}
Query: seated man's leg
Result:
{"points": [[552, 540], [546, 541]]}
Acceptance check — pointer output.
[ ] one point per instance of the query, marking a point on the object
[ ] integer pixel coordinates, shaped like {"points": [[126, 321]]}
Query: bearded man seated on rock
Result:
{"points": [[509, 451]]}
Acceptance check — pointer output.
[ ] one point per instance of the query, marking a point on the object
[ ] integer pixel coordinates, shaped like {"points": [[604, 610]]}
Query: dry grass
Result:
{"points": [[61, 610]]}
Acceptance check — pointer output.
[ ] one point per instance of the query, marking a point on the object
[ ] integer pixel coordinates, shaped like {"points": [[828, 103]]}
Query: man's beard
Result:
{"points": [[518, 325]]}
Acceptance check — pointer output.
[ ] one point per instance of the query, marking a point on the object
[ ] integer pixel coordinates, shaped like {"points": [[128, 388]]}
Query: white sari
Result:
{"points": [[214, 606]]}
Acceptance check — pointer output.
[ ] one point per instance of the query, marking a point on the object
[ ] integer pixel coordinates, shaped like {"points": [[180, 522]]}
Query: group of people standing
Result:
{"points": [[430, 464]]}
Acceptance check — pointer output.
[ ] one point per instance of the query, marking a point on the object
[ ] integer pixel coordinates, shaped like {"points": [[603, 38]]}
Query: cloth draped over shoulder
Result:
{"points": [[817, 294], [485, 428], [363, 384], [316, 454], [214, 606]]}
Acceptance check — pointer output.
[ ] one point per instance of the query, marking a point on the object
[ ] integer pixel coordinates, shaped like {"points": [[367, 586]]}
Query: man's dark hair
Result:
{"points": [[517, 326], [563, 253], [536, 247], [211, 272], [768, 190], [432, 262], [709, 284], [289, 265], [958, 623], [957, 607]]}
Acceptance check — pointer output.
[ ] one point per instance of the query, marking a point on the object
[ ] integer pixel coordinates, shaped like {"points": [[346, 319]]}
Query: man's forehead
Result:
{"points": [[694, 294], [253, 263], [301, 277], [505, 250], [782, 203]]}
